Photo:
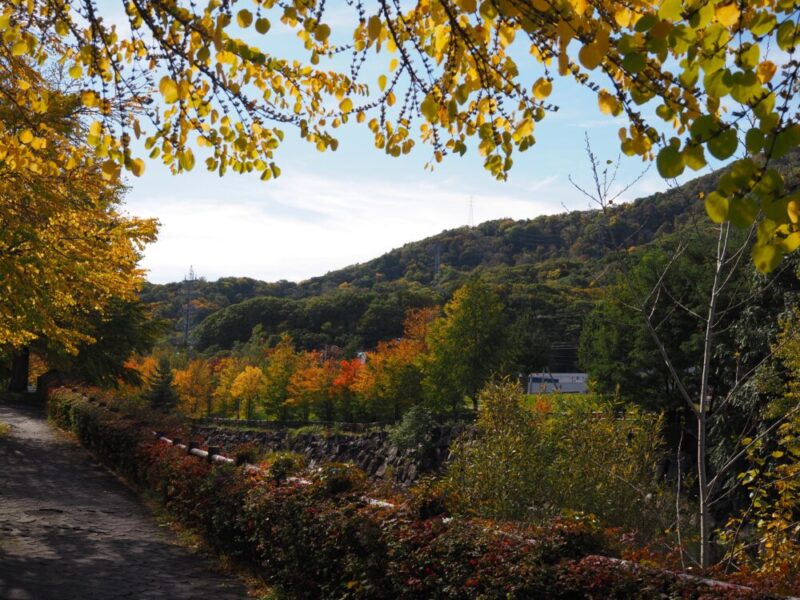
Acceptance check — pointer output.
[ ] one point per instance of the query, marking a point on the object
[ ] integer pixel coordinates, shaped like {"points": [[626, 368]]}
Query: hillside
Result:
{"points": [[547, 270]]}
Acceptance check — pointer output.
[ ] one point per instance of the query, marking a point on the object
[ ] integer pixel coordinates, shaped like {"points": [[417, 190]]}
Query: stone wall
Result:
{"points": [[372, 452]]}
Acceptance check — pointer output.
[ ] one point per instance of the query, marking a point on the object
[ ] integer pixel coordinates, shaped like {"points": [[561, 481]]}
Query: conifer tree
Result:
{"points": [[161, 394]]}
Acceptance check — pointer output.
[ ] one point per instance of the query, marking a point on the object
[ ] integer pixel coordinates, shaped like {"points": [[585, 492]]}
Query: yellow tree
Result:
{"points": [[281, 365], [311, 386], [249, 386], [195, 386], [226, 370], [65, 251], [692, 79], [390, 382]]}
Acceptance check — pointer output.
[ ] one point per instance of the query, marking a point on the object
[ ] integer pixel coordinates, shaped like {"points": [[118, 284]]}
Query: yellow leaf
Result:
{"points": [[542, 88], [429, 108], [717, 207], [524, 129], [186, 159], [137, 167], [766, 70], [382, 82], [346, 105], [728, 15], [468, 5], [168, 89], [609, 105], [96, 128], [89, 99], [75, 71], [623, 17], [322, 32], [793, 208], [19, 48], [110, 168], [374, 27], [26, 137]]}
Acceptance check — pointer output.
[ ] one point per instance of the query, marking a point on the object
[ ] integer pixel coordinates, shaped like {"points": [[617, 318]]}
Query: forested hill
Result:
{"points": [[545, 268]]}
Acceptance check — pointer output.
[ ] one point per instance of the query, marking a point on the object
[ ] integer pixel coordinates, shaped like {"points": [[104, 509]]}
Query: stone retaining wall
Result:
{"points": [[372, 452]]}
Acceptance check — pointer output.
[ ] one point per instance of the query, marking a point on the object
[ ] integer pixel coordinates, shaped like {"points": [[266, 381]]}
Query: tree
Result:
{"points": [[160, 394], [282, 362], [249, 386], [311, 386], [195, 386], [344, 387], [226, 371], [67, 255], [464, 346], [706, 395], [456, 71]]}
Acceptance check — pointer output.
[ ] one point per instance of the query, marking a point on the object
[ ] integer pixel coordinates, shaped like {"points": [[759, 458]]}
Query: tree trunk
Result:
{"points": [[702, 414], [703, 499], [20, 369]]}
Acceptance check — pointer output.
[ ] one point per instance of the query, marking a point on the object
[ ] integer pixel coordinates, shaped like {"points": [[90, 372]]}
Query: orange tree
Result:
{"points": [[692, 78]]}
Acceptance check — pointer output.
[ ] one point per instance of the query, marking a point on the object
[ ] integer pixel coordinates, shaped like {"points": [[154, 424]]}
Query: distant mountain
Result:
{"points": [[546, 269]]}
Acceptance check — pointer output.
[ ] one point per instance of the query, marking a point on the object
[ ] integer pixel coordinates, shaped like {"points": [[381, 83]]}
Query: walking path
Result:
{"points": [[70, 530]]}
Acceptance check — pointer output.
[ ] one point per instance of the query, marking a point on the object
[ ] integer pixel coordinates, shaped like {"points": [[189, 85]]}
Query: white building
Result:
{"points": [[566, 383]]}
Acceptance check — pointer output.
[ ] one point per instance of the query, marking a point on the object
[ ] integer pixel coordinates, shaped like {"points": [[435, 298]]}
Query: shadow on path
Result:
{"points": [[71, 530]]}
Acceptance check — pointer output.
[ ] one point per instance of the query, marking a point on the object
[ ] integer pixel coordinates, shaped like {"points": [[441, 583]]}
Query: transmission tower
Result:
{"points": [[188, 283]]}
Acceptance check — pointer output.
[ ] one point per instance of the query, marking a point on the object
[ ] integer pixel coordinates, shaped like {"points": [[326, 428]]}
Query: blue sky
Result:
{"points": [[329, 210]]}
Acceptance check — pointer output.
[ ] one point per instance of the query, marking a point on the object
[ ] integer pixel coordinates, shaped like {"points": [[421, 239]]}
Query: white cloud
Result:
{"points": [[304, 225]]}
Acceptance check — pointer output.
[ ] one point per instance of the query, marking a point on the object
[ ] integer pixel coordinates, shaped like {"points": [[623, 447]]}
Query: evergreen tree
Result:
{"points": [[161, 394]]}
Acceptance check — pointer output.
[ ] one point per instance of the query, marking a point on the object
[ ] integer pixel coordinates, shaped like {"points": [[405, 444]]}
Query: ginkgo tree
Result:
{"points": [[693, 79], [66, 251]]}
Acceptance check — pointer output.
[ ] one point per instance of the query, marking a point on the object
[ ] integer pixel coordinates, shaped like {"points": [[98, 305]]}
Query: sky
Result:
{"points": [[333, 209]]}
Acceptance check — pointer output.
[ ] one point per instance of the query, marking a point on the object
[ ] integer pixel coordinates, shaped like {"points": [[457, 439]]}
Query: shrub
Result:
{"points": [[414, 430], [324, 540], [284, 464], [534, 464]]}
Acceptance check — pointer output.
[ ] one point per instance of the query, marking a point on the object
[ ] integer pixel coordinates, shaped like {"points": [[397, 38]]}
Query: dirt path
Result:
{"points": [[71, 530]]}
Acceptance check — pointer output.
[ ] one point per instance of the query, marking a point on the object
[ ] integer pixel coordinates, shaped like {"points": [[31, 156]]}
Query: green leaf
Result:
{"points": [[694, 157], [262, 25], [786, 140], [742, 212], [244, 18], [670, 162], [703, 128], [723, 145], [754, 140], [430, 108], [634, 62], [787, 35]]}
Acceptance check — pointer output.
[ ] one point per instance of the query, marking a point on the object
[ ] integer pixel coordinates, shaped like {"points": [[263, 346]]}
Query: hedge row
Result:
{"points": [[324, 541]]}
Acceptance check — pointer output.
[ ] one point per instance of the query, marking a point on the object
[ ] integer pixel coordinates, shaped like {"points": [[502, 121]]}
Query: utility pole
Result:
{"points": [[188, 282]]}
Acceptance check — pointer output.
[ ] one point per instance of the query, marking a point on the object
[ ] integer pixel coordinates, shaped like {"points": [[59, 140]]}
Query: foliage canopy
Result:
{"points": [[691, 77]]}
